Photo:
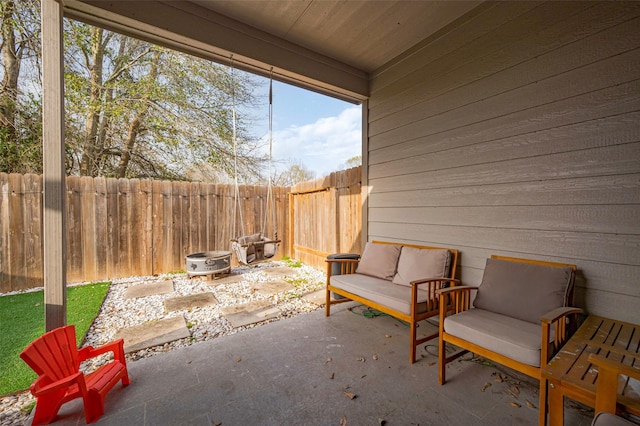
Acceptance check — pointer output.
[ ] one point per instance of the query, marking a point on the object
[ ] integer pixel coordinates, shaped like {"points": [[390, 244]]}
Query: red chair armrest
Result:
{"points": [[117, 347], [38, 388]]}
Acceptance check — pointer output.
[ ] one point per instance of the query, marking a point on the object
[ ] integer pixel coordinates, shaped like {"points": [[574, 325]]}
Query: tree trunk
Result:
{"points": [[90, 151], [138, 120], [11, 60]]}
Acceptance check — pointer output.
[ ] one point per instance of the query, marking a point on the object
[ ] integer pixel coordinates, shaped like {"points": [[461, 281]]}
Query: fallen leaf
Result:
{"points": [[332, 376], [515, 390], [530, 405], [382, 422], [431, 364], [361, 359], [515, 404], [363, 376], [375, 357], [484, 388], [349, 395], [217, 423], [238, 359], [329, 360], [388, 336], [343, 421]]}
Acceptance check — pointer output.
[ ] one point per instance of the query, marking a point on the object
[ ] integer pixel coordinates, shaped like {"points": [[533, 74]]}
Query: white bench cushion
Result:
{"points": [[517, 339], [394, 296]]}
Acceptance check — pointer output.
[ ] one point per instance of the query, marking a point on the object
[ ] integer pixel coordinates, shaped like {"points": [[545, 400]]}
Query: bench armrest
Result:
{"points": [[453, 281], [348, 266]]}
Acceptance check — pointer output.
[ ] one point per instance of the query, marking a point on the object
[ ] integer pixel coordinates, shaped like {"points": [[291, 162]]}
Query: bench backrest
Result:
{"points": [[525, 288], [384, 265], [54, 354]]}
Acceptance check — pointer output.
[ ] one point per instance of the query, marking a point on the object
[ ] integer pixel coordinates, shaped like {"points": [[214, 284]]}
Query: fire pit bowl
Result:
{"points": [[208, 263]]}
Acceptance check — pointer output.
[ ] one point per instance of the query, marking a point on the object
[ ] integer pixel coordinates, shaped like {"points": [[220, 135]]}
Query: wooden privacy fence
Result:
{"points": [[120, 227], [126, 227], [326, 217]]}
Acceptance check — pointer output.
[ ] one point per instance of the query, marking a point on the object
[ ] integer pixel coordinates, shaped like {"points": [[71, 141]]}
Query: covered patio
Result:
{"points": [[304, 371]]}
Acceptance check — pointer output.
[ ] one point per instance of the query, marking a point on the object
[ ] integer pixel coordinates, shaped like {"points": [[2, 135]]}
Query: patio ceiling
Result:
{"points": [[328, 46]]}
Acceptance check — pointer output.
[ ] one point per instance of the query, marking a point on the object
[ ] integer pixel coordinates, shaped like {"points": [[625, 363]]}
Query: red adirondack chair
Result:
{"points": [[56, 359]]}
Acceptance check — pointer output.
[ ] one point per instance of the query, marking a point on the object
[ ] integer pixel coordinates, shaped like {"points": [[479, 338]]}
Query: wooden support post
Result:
{"points": [[54, 236]]}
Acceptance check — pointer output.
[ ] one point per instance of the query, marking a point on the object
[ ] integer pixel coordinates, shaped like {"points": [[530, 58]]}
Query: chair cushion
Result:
{"points": [[513, 338], [415, 264], [522, 290], [379, 260], [396, 297]]}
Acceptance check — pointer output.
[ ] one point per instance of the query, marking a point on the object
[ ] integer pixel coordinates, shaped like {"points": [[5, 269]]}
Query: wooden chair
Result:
{"points": [[608, 384], [56, 359], [518, 318]]}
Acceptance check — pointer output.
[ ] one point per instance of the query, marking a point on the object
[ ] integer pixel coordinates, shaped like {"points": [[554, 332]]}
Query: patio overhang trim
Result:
{"points": [[201, 32]]}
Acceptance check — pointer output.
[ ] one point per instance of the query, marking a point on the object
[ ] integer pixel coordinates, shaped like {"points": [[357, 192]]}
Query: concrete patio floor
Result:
{"points": [[303, 371]]}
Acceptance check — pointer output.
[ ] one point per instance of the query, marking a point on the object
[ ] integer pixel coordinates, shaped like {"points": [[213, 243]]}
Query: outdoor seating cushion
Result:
{"points": [[248, 239], [522, 290], [415, 264], [379, 260], [383, 292], [516, 339]]}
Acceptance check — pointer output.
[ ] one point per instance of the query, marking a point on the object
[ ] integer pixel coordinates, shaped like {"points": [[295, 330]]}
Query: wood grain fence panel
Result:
{"points": [[112, 230], [100, 228], [146, 264], [87, 195], [125, 222], [6, 277], [75, 267], [158, 226], [16, 231], [33, 231]]}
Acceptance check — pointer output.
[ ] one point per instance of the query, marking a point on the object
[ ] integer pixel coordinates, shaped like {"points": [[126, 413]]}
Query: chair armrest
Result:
{"points": [[556, 317], [609, 364], [558, 313], [117, 347], [38, 388], [457, 289]]}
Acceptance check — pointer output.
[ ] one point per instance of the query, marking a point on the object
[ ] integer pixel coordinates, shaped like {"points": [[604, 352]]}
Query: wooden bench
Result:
{"points": [[397, 279]]}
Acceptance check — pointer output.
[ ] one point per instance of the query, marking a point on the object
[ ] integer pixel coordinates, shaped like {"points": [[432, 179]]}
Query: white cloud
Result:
{"points": [[322, 146]]}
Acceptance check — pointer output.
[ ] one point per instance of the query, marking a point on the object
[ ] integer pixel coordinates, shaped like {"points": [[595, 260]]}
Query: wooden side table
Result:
{"points": [[570, 374]]}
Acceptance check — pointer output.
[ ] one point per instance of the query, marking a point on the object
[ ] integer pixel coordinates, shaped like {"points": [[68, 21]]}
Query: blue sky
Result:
{"points": [[319, 131]]}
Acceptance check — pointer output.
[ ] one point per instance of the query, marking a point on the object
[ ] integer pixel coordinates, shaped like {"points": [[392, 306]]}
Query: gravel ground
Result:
{"points": [[204, 323]]}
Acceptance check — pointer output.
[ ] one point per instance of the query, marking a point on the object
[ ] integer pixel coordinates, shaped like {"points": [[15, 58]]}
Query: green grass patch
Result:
{"points": [[22, 320], [292, 263]]}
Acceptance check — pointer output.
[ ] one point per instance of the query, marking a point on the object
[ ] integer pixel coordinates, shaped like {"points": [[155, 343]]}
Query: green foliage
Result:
{"points": [[22, 320], [292, 263]]}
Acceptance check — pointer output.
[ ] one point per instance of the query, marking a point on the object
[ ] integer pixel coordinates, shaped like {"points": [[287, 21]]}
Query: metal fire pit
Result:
{"points": [[208, 263]]}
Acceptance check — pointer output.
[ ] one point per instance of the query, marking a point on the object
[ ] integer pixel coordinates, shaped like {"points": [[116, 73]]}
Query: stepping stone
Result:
{"points": [[153, 333], [250, 313], [229, 279], [151, 289], [190, 301], [280, 271], [268, 288]]}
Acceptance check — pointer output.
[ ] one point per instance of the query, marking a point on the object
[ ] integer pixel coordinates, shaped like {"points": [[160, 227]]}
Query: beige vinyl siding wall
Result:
{"points": [[516, 131]]}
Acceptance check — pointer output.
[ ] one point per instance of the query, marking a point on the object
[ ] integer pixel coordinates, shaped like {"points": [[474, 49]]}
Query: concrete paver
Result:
{"points": [[153, 333], [191, 301], [250, 313], [269, 288], [151, 289]]}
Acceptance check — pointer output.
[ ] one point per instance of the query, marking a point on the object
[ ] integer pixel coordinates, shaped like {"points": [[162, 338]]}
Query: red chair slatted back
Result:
{"points": [[54, 354]]}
